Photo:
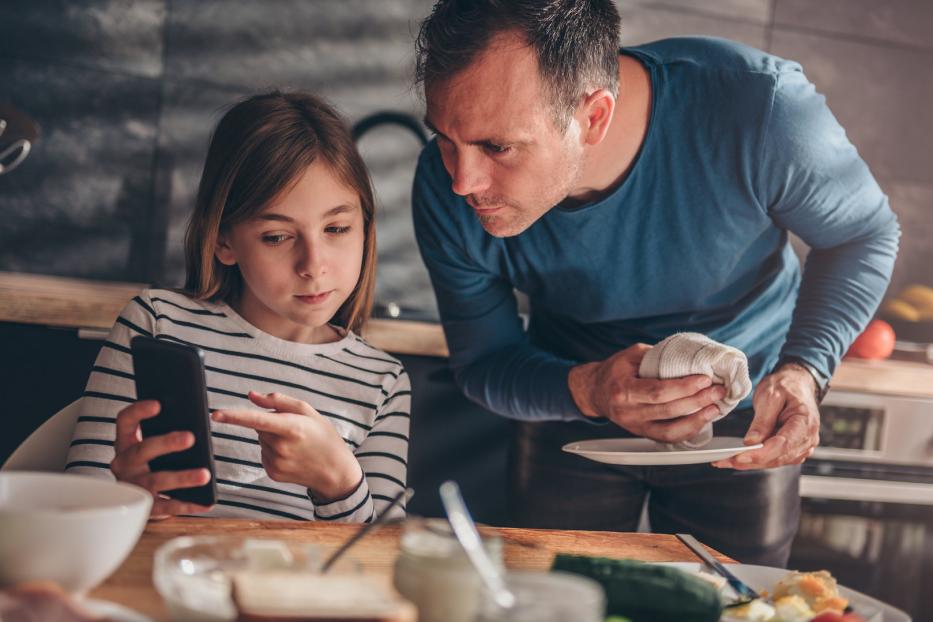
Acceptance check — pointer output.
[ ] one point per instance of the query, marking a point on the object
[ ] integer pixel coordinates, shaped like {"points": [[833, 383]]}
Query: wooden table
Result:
{"points": [[531, 549]]}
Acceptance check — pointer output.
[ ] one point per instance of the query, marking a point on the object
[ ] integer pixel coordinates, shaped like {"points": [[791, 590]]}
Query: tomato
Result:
{"points": [[876, 342]]}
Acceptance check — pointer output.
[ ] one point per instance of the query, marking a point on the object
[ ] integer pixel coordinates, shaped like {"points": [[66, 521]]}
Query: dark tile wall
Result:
{"points": [[120, 36], [81, 202], [126, 93]]}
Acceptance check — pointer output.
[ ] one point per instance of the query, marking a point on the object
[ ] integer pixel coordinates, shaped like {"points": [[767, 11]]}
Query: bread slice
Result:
{"points": [[272, 596]]}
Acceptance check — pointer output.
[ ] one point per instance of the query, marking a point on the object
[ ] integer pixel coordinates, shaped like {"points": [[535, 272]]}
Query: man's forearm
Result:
{"points": [[842, 288], [520, 382]]}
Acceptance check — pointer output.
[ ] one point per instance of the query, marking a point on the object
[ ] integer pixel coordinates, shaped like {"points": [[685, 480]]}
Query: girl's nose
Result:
{"points": [[310, 260]]}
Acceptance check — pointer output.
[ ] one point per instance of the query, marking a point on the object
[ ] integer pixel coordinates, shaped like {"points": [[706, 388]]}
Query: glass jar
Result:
{"points": [[547, 597], [433, 571]]}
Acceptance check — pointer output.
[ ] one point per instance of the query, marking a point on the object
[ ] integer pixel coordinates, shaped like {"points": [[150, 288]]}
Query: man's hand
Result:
{"points": [[298, 445], [669, 411], [786, 414]]}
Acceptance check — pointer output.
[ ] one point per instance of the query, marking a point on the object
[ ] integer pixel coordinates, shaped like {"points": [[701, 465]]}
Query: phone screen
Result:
{"points": [[173, 374]]}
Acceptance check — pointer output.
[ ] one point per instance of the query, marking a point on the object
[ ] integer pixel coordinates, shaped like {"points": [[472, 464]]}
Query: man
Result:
{"points": [[632, 194]]}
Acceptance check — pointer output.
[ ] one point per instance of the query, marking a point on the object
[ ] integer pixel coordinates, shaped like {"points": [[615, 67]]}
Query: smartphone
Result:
{"points": [[173, 374]]}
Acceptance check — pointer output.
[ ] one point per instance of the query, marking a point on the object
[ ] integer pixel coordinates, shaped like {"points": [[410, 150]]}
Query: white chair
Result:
{"points": [[46, 449]]}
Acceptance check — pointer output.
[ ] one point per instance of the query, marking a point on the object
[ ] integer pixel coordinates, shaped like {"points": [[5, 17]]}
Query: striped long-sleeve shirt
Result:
{"points": [[362, 391]]}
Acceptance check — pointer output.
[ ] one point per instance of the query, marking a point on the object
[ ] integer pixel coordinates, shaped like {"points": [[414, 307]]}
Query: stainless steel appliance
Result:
{"points": [[867, 497]]}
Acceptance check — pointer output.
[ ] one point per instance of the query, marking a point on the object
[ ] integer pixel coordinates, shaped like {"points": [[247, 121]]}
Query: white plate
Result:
{"points": [[113, 611], [642, 451], [765, 577]]}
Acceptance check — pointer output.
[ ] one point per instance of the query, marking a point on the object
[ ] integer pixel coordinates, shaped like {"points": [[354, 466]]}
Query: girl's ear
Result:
{"points": [[223, 251]]}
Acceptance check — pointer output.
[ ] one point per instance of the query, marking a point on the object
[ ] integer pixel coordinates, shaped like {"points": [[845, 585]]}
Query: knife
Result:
{"points": [[700, 551]]}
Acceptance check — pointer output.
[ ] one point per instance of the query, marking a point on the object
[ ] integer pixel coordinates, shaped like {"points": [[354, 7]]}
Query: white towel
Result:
{"points": [[686, 354]]}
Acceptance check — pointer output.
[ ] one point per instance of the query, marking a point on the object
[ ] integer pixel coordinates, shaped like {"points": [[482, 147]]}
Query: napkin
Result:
{"points": [[686, 354]]}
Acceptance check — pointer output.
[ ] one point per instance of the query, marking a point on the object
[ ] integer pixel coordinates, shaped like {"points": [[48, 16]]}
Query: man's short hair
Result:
{"points": [[576, 43]]}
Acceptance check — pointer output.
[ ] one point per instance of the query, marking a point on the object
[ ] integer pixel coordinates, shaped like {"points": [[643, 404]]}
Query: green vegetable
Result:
{"points": [[647, 592]]}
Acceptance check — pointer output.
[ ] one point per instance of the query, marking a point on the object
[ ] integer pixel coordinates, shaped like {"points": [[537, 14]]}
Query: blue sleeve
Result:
{"points": [[490, 356], [815, 184]]}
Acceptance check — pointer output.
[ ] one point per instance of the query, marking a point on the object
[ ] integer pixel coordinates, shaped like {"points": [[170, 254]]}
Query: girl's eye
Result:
{"points": [[337, 230], [274, 239]]}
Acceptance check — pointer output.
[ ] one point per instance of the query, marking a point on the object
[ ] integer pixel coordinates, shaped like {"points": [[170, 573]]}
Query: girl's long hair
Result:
{"points": [[259, 150]]}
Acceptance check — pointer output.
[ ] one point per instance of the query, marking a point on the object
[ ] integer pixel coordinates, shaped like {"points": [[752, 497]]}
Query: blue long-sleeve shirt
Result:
{"points": [[740, 149]]}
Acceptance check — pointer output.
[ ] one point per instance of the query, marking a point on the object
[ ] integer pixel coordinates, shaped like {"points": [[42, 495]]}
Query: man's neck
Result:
{"points": [[608, 163]]}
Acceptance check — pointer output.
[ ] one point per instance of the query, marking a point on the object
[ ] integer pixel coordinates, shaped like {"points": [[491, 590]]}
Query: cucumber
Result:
{"points": [[646, 592]]}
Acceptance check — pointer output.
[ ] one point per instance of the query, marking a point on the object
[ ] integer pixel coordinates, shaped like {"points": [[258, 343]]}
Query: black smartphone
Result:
{"points": [[173, 374]]}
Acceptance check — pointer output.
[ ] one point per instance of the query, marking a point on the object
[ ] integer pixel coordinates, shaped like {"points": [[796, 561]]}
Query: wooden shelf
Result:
{"points": [[76, 303]]}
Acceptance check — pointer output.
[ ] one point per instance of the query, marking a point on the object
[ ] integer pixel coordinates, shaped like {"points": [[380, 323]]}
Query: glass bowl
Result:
{"points": [[547, 597], [193, 574]]}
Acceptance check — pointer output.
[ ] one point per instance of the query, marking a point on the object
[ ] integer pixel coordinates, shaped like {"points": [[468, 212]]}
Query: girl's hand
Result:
{"points": [[131, 463], [299, 445]]}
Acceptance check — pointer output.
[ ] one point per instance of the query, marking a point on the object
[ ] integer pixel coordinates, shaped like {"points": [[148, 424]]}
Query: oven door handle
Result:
{"points": [[853, 489]]}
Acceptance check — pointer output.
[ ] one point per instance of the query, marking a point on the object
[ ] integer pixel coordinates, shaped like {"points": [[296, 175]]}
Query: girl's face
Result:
{"points": [[300, 258]]}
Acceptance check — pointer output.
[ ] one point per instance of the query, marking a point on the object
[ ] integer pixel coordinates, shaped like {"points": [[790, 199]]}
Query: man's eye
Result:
{"points": [[274, 239], [338, 230], [497, 149]]}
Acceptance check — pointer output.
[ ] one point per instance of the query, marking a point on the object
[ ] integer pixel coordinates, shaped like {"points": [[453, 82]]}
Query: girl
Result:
{"points": [[310, 421]]}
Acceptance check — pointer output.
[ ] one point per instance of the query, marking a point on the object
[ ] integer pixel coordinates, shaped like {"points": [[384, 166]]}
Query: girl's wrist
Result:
{"points": [[337, 484]]}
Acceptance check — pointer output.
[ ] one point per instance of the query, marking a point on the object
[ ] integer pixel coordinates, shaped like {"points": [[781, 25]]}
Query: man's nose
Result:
{"points": [[470, 175]]}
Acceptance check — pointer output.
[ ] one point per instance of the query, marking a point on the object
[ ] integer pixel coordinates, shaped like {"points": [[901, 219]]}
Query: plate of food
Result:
{"points": [[792, 596], [645, 452]]}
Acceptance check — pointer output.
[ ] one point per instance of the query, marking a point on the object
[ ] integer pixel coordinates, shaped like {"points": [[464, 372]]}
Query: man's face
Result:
{"points": [[499, 141]]}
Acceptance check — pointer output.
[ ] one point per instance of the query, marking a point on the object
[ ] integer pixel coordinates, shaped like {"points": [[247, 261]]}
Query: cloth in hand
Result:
{"points": [[687, 354]]}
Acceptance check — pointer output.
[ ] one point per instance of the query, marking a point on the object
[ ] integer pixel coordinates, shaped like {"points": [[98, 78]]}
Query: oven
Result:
{"points": [[867, 499]]}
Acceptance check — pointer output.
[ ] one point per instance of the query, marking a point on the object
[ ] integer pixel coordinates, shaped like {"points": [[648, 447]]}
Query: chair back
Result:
{"points": [[46, 449]]}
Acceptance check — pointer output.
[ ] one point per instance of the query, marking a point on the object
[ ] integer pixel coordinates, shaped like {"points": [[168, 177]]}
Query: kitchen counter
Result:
{"points": [[94, 305]]}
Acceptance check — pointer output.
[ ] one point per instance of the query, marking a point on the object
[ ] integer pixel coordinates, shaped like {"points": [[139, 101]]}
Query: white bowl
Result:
{"points": [[71, 529]]}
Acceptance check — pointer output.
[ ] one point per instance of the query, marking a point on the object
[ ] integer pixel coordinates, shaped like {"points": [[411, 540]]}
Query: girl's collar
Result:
{"points": [[285, 347]]}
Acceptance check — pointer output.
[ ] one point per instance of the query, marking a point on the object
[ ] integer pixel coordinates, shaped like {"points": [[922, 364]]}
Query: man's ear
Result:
{"points": [[595, 115], [223, 252]]}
